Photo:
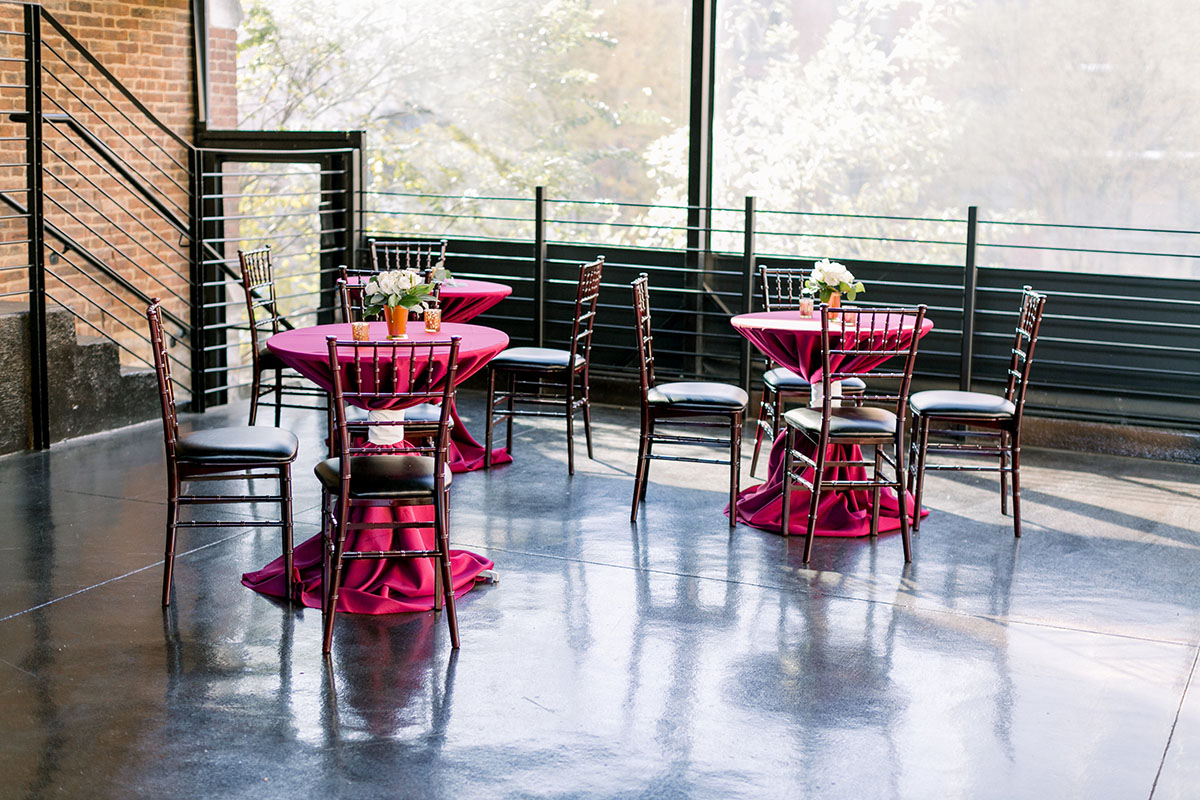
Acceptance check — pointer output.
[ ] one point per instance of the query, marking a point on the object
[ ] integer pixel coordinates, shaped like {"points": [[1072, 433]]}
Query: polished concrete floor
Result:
{"points": [[673, 658]]}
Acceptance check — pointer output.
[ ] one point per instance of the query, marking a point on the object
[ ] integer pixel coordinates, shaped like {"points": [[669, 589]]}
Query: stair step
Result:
{"points": [[90, 390]]}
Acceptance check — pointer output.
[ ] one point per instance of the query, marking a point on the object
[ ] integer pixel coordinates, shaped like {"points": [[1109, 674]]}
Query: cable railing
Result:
{"points": [[114, 209], [1122, 345]]}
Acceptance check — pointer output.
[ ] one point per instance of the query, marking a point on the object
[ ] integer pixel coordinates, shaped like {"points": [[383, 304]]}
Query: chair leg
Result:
{"points": [[876, 491], [1004, 444], [735, 464], [913, 438], [440, 518], [570, 431], [285, 516], [639, 470], [788, 465], [512, 391], [587, 418], [329, 607], [814, 501], [169, 552], [327, 532], [649, 457], [919, 469], [255, 388], [278, 396], [491, 410], [1015, 444], [905, 535], [758, 434]]}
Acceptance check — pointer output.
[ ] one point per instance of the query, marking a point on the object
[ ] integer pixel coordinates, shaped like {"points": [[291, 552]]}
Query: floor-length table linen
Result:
{"points": [[376, 586], [793, 340]]}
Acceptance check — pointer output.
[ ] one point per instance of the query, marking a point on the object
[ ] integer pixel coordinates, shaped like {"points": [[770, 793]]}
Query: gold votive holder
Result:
{"points": [[360, 331], [433, 320], [806, 306]]}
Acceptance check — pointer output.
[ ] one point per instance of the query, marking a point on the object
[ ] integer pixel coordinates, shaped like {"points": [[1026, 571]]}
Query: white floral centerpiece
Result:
{"points": [[395, 288], [829, 277]]}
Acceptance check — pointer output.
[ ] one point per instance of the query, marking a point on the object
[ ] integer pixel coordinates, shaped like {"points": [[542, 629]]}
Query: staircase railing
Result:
{"points": [[116, 208]]}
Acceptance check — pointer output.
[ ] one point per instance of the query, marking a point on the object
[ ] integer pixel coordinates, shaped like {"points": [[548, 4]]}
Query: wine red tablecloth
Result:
{"points": [[793, 340], [467, 298], [370, 586]]}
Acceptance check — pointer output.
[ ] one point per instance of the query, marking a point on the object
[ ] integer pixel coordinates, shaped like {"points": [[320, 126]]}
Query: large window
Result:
{"points": [[1080, 111], [478, 98]]}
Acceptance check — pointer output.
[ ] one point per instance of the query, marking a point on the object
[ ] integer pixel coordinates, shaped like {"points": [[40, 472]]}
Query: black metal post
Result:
{"points": [[337, 226], [200, 60], [700, 125], [39, 367], [539, 266], [970, 281], [747, 286], [196, 277], [704, 19]]}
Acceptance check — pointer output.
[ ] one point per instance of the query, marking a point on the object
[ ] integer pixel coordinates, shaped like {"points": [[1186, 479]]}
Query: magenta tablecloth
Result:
{"points": [[466, 298], [794, 341], [369, 586]]}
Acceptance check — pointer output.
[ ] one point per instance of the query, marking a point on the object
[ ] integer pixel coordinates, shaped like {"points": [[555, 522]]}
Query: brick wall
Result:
{"points": [[148, 47], [222, 78]]}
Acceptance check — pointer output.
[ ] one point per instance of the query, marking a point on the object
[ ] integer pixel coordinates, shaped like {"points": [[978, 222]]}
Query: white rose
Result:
{"points": [[385, 283], [407, 279]]}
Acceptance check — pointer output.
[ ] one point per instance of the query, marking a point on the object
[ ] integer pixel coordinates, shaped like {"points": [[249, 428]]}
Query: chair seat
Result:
{"points": [[718, 396], [845, 421], [237, 446], [967, 405], [384, 477], [268, 360], [535, 358], [782, 379]]}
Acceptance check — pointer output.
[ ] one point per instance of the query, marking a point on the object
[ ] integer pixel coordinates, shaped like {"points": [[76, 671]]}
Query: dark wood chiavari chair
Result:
{"points": [[264, 320], [682, 405], [414, 472], [536, 378], [978, 423], [853, 341], [218, 454]]}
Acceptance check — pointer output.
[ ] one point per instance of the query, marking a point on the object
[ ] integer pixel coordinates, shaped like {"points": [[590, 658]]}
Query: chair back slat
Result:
{"points": [[880, 340], [644, 331], [393, 374], [1029, 322], [782, 287], [166, 389], [586, 297]]}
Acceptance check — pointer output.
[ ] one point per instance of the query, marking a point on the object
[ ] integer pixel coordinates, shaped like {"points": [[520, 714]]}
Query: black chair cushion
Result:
{"points": [[845, 421], [383, 477], [968, 405], [237, 446], [718, 396], [534, 358], [782, 379], [268, 360]]}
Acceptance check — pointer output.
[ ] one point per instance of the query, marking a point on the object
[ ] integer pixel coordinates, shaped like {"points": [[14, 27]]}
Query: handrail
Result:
{"points": [[114, 161], [92, 260]]}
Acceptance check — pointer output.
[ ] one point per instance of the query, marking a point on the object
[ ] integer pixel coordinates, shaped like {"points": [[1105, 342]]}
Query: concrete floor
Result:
{"points": [[673, 658]]}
